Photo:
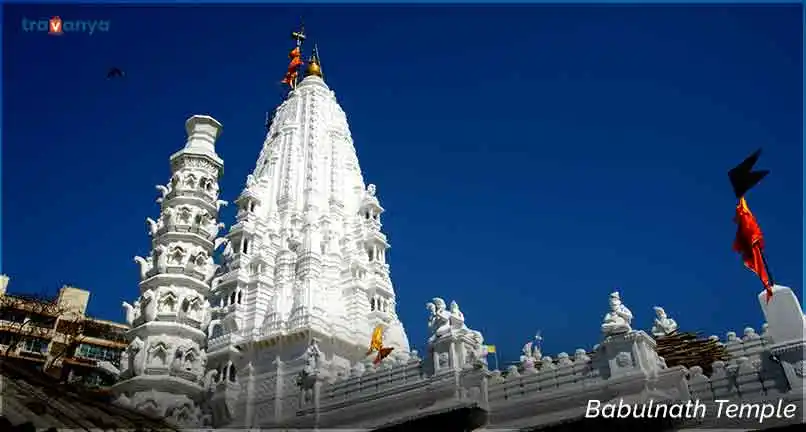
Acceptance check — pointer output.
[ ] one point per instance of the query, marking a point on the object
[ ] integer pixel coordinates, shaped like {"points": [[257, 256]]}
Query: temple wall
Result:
{"points": [[623, 367]]}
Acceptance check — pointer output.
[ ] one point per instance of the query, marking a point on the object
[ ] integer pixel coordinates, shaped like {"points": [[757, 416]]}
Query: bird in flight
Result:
{"points": [[115, 73]]}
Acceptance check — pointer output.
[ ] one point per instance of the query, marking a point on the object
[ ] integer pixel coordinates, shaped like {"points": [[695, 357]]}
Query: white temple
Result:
{"points": [[276, 334]]}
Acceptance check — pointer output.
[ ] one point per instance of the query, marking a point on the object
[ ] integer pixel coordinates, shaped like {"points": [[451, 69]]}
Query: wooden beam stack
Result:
{"points": [[689, 349]]}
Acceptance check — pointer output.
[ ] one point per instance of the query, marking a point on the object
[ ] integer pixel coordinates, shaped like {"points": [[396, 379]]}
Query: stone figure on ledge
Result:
{"points": [[371, 190], [457, 317], [153, 227], [130, 313], [146, 264], [161, 252], [528, 359], [148, 304], [167, 217], [312, 355], [164, 191], [477, 353], [136, 356], [250, 182], [531, 353], [619, 319], [439, 321], [663, 324]]}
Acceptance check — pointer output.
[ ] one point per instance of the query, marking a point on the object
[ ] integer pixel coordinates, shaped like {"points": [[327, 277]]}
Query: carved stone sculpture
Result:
{"points": [[439, 319], [457, 317], [190, 181], [164, 191], [177, 255], [528, 358], [210, 379], [167, 301], [125, 365], [312, 355], [129, 313], [618, 320], [153, 227], [137, 356], [146, 264], [219, 204], [137, 309], [161, 252], [149, 305], [168, 216], [229, 252], [209, 269], [206, 317], [663, 324], [176, 363], [372, 190]]}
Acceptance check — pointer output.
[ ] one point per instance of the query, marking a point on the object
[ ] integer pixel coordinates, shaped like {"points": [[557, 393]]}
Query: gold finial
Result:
{"points": [[314, 65]]}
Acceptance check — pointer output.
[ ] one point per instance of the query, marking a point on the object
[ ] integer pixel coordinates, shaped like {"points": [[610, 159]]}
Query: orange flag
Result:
{"points": [[376, 345], [749, 243], [296, 61]]}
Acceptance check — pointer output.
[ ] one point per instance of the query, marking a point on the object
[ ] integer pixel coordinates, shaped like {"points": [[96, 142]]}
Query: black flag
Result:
{"points": [[743, 178]]}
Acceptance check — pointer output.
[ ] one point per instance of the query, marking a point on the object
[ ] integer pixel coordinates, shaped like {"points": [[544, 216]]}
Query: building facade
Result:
{"points": [[56, 336], [273, 332]]}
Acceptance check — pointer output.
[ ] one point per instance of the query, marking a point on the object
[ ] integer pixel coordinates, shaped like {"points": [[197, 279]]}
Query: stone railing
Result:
{"points": [[565, 373], [223, 341], [372, 382]]}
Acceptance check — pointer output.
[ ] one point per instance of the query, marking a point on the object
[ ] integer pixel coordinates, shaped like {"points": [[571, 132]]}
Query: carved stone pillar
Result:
{"points": [[787, 326], [629, 354]]}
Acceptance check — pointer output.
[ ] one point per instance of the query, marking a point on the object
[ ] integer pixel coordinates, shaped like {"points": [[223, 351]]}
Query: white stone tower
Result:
{"points": [[305, 260], [164, 367]]}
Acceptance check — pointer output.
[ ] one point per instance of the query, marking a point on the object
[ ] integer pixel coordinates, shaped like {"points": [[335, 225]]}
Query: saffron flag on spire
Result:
{"points": [[376, 345], [749, 241], [293, 67]]}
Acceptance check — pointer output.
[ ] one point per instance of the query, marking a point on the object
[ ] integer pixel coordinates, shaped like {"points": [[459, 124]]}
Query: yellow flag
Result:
{"points": [[490, 349], [376, 343]]}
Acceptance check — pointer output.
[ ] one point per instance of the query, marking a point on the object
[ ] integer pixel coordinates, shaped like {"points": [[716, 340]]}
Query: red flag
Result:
{"points": [[750, 244]]}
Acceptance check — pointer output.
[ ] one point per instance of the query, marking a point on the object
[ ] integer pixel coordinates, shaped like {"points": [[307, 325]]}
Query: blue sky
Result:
{"points": [[531, 159]]}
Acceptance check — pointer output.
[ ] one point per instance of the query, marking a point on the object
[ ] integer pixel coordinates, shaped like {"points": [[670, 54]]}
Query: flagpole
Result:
{"points": [[495, 356], [767, 268]]}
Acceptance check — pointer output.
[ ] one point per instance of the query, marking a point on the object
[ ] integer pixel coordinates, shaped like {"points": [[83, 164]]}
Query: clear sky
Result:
{"points": [[531, 159]]}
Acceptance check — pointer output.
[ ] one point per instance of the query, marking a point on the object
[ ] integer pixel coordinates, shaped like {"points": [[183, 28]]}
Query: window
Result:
{"points": [[100, 353], [36, 345]]}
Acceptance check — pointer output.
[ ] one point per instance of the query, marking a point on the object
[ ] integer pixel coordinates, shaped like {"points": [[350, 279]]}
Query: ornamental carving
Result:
{"points": [[624, 360], [800, 368]]}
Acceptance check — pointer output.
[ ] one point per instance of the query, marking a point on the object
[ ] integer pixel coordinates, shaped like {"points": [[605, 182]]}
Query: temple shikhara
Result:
{"points": [[287, 318]]}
